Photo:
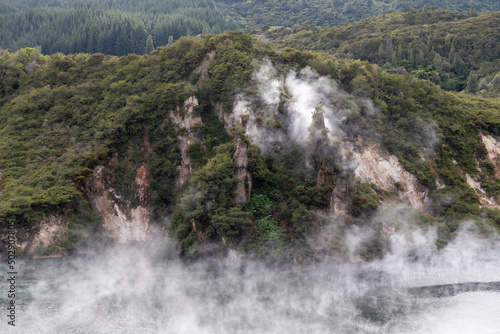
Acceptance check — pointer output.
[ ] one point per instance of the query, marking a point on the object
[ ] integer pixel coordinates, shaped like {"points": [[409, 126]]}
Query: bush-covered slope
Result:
{"points": [[332, 12], [63, 116], [455, 50]]}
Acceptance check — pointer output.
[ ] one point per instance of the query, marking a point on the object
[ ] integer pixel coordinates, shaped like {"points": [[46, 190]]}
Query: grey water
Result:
{"points": [[136, 289]]}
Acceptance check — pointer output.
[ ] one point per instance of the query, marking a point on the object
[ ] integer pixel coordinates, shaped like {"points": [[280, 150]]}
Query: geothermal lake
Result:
{"points": [[136, 289]]}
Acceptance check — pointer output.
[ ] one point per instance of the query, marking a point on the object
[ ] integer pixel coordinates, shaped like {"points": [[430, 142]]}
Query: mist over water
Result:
{"points": [[148, 289]]}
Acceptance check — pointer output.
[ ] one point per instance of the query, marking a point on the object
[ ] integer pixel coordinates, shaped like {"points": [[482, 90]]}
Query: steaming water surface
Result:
{"points": [[135, 290]]}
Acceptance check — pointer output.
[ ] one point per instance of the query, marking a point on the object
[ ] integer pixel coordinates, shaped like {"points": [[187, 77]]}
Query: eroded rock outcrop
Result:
{"points": [[50, 230], [228, 120], [244, 185], [33, 241], [485, 201], [185, 118], [126, 221], [342, 193], [493, 147], [202, 69], [371, 164]]}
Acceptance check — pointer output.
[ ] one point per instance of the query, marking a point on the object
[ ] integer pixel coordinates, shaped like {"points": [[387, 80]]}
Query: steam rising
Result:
{"points": [[308, 91], [283, 108], [147, 289]]}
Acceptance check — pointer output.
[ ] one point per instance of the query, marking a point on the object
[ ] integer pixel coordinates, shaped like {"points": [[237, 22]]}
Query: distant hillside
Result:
{"points": [[455, 50], [110, 27], [287, 13], [120, 27]]}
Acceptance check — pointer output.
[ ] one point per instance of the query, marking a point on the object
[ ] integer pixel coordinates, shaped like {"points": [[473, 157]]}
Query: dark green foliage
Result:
{"points": [[85, 230], [289, 13], [436, 45], [269, 240], [196, 153], [217, 176], [212, 130], [231, 224], [231, 70], [110, 27], [365, 200]]}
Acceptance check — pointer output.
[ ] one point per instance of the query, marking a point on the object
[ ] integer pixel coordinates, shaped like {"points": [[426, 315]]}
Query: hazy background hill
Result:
{"points": [[332, 12], [457, 51], [120, 27], [110, 27]]}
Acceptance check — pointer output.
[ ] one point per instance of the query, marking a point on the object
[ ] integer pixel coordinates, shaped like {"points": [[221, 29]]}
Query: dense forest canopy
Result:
{"points": [[458, 51], [332, 12], [120, 27], [110, 27]]}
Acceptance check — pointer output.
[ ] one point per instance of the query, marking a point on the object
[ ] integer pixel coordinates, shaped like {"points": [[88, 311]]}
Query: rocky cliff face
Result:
{"points": [[50, 230], [125, 221], [244, 186], [185, 118], [227, 119], [342, 193], [371, 164], [484, 199], [33, 242], [493, 147]]}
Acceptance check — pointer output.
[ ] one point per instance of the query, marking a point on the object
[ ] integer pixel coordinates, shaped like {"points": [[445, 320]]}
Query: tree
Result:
{"points": [[437, 62], [149, 45], [472, 83], [420, 58], [170, 40]]}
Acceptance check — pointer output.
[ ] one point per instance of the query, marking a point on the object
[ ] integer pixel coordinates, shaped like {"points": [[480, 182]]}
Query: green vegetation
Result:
{"points": [[331, 12], [119, 27], [61, 116], [458, 51], [111, 27]]}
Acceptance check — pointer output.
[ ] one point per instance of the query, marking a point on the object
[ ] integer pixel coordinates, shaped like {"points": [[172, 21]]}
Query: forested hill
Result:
{"points": [[454, 50], [233, 145], [120, 27], [110, 27], [256, 13]]}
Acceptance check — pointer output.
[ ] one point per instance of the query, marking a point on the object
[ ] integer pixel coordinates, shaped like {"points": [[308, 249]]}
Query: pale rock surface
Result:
{"points": [[50, 229], [484, 200], [185, 118], [371, 164], [126, 223], [242, 174]]}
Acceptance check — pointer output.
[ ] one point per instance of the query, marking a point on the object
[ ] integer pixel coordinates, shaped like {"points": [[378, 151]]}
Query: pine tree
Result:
{"points": [[149, 45], [473, 12], [472, 83], [420, 58], [388, 46], [437, 62], [411, 58]]}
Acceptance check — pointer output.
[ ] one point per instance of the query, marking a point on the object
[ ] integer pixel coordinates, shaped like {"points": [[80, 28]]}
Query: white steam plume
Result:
{"points": [[301, 95]]}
